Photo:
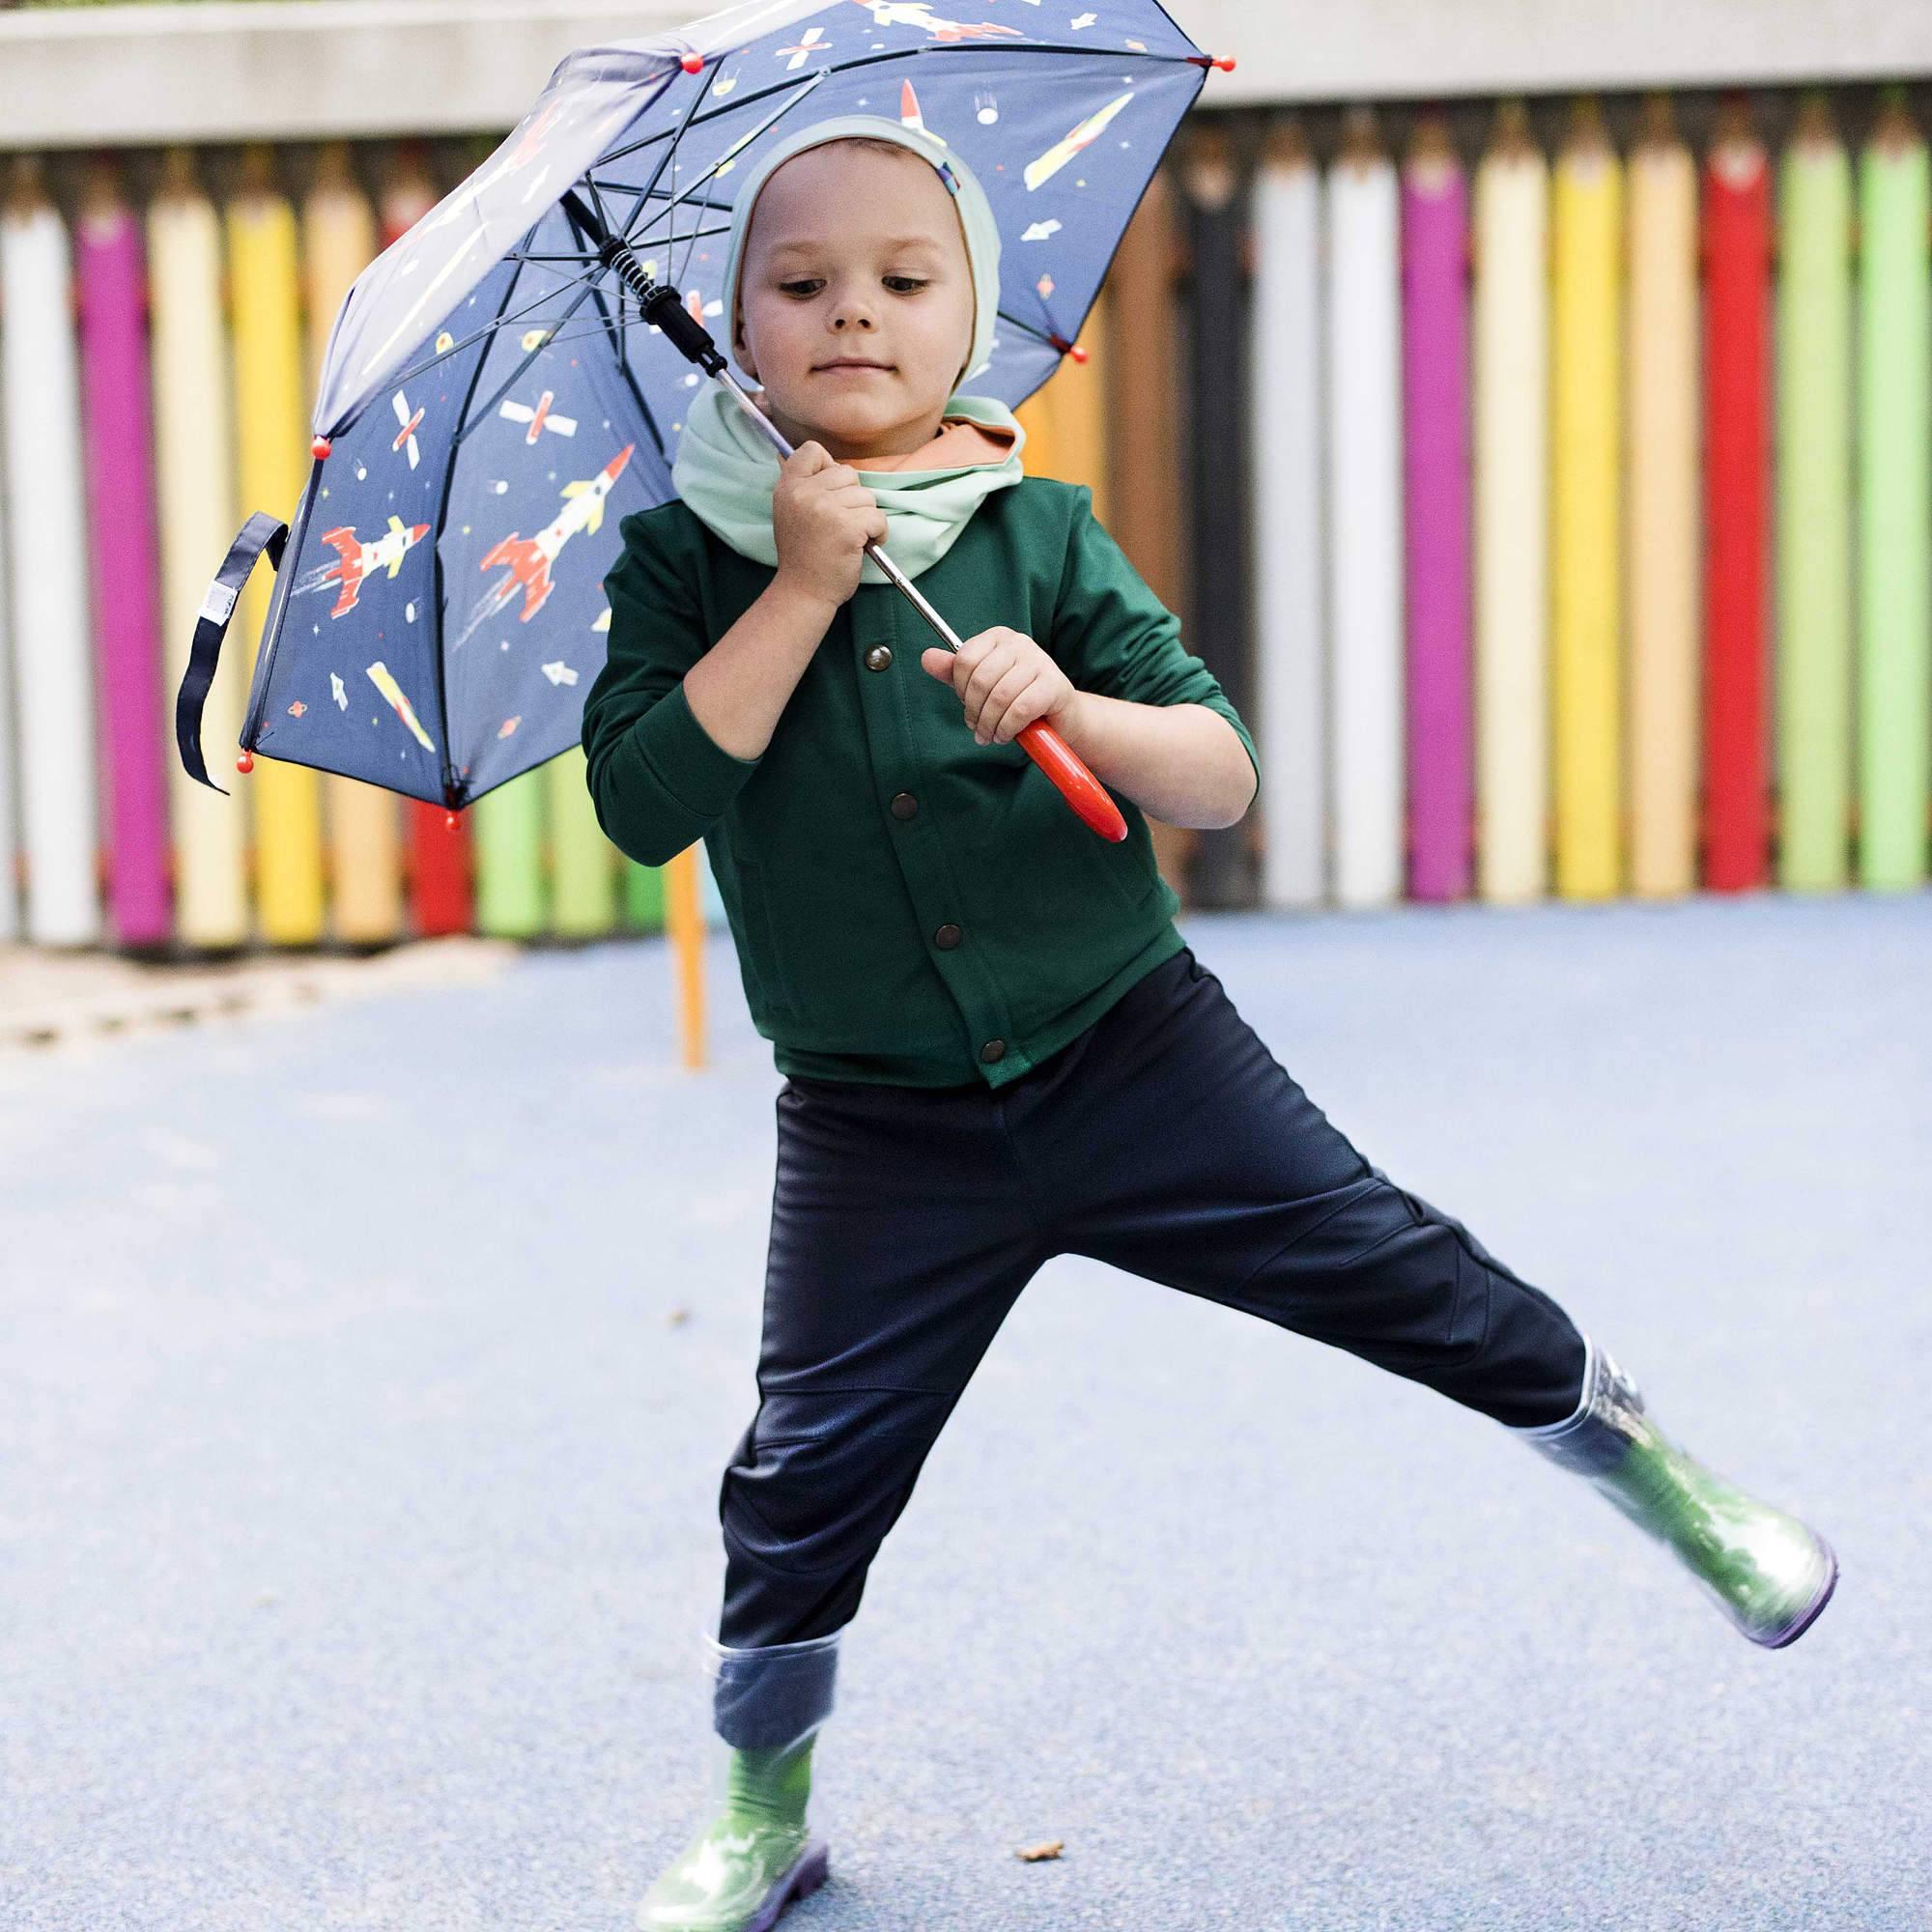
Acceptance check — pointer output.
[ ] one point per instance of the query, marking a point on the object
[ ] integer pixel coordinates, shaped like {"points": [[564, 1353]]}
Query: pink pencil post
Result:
{"points": [[122, 552], [1435, 462]]}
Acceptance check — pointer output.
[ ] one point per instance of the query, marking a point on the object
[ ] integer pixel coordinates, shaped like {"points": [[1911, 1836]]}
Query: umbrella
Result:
{"points": [[510, 377]]}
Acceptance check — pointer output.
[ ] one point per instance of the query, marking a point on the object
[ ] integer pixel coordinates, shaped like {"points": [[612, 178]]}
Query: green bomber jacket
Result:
{"points": [[908, 906]]}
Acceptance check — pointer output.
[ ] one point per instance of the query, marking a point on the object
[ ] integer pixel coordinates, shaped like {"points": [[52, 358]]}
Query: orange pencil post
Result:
{"points": [[684, 921]]}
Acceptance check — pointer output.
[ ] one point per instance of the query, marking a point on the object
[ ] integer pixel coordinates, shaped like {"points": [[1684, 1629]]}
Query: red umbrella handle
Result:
{"points": [[1082, 790]]}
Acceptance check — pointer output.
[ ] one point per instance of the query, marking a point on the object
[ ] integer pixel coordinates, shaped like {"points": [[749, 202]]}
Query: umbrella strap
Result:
{"points": [[260, 532]]}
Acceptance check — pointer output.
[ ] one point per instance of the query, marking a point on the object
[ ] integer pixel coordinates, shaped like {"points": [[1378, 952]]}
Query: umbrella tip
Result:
{"points": [[692, 63], [1225, 62], [319, 448], [449, 821], [245, 763]]}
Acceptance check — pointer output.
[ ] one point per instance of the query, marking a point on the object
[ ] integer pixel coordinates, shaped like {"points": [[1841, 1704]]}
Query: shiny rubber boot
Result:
{"points": [[751, 1859], [755, 1854], [1769, 1572]]}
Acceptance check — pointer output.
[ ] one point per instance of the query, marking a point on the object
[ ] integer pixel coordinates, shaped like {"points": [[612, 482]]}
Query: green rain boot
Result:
{"points": [[1769, 1572], [754, 1858], [756, 1855]]}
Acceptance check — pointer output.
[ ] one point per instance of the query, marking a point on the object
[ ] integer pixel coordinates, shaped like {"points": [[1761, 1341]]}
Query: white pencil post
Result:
{"points": [[1510, 381], [1365, 499], [1290, 730], [51, 632]]}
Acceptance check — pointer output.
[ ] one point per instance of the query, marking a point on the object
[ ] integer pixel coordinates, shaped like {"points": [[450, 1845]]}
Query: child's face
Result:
{"points": [[856, 298]]}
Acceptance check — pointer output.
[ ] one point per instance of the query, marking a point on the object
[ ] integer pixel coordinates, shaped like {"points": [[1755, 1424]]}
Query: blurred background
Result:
{"points": [[1526, 410]]}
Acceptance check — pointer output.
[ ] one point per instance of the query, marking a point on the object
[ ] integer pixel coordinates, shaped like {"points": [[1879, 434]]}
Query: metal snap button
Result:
{"points": [[994, 1049], [879, 657], [947, 937], [904, 804]]}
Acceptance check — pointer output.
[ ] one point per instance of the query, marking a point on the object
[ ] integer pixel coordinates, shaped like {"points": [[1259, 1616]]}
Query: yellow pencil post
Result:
{"points": [[271, 448], [364, 821], [1664, 662], [1586, 235], [684, 921]]}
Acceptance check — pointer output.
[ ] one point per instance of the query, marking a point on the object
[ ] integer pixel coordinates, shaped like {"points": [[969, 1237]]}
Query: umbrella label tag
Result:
{"points": [[219, 606]]}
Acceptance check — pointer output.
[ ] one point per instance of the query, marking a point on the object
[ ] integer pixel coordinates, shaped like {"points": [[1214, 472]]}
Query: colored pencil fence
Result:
{"points": [[1549, 481]]}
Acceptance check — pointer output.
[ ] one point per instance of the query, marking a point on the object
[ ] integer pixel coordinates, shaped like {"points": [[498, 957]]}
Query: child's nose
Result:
{"points": [[853, 315]]}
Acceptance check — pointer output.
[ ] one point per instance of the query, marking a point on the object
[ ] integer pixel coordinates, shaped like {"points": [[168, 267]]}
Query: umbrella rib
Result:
{"points": [[1028, 329], [449, 774], [625, 370], [744, 140], [695, 120], [483, 414], [675, 135], [620, 328], [703, 200], [456, 348], [744, 101], [1048, 47]]}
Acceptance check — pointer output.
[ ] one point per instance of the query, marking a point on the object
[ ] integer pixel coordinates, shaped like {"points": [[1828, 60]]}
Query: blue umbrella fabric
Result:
{"points": [[493, 400]]}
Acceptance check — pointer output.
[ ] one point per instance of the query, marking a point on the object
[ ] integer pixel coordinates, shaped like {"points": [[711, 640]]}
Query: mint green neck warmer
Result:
{"points": [[726, 472]]}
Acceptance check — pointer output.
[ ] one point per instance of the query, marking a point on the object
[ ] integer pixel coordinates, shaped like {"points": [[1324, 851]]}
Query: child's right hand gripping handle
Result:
{"points": [[1041, 743], [1044, 744]]}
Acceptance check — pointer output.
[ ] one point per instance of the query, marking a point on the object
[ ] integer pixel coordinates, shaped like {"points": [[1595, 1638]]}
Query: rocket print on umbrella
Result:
{"points": [[1080, 137], [379, 676], [906, 14], [356, 560], [525, 561]]}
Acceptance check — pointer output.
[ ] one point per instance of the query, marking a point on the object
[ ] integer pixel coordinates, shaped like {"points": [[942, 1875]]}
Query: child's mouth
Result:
{"points": [[847, 363]]}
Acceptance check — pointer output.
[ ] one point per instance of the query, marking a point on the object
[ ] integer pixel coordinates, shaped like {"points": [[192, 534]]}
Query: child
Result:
{"points": [[998, 1047]]}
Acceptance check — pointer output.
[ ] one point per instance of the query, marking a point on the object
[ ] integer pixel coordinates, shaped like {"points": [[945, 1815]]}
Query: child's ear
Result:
{"points": [[741, 350]]}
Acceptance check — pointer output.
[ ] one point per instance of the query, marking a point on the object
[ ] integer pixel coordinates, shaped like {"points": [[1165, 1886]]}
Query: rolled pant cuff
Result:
{"points": [[1548, 1430], [774, 1695]]}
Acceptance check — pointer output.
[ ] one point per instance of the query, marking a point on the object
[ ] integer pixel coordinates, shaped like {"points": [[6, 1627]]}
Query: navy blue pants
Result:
{"points": [[1166, 1140]]}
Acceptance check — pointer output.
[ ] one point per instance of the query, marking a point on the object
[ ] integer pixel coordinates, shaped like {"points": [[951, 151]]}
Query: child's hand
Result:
{"points": [[821, 516], [1003, 679]]}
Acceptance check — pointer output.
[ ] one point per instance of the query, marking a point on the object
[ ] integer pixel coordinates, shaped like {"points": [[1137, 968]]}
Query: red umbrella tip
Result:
{"points": [[319, 448], [1226, 63], [693, 63], [449, 821], [245, 762], [1079, 353]]}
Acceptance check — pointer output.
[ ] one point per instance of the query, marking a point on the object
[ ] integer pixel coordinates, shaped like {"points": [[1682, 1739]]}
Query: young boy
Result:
{"points": [[998, 1047]]}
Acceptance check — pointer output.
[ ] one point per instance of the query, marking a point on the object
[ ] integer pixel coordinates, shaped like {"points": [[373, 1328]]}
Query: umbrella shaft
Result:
{"points": [[692, 339], [889, 570]]}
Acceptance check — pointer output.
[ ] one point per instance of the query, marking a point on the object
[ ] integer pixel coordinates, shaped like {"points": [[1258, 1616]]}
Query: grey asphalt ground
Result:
{"points": [[357, 1487]]}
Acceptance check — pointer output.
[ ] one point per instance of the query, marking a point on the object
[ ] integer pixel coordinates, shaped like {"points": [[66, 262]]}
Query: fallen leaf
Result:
{"points": [[677, 1317], [1032, 1853]]}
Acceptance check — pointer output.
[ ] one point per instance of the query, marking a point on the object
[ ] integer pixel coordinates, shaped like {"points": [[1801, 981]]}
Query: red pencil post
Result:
{"points": [[1737, 311]]}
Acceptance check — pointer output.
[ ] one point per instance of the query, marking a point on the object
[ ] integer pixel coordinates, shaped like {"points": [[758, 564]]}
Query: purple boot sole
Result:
{"points": [[1812, 1614], [800, 1882]]}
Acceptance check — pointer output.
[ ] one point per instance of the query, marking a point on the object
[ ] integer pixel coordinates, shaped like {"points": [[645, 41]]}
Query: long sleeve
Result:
{"points": [[657, 778], [1112, 635]]}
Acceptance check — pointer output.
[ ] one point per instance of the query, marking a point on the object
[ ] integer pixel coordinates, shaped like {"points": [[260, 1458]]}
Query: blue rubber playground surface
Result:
{"points": [[368, 1375]]}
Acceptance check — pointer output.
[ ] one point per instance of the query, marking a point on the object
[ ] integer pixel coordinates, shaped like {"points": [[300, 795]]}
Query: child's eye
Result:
{"points": [[904, 285], [802, 286]]}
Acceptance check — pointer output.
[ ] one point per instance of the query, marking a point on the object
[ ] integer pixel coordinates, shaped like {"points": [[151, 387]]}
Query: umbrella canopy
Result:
{"points": [[492, 398]]}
